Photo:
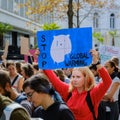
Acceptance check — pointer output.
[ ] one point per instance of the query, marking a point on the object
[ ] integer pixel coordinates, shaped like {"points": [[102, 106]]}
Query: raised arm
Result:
{"points": [[59, 86], [99, 91]]}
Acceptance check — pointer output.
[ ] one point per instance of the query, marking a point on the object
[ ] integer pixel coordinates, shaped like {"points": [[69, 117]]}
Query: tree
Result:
{"points": [[79, 9], [4, 27], [98, 36], [51, 26], [113, 34]]}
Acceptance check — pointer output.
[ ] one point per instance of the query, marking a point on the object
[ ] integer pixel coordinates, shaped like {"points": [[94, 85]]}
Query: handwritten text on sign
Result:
{"points": [[107, 52], [64, 48]]}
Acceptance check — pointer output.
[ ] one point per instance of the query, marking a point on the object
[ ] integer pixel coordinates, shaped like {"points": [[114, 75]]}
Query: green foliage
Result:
{"points": [[98, 36], [36, 46], [4, 27], [51, 26], [113, 33]]}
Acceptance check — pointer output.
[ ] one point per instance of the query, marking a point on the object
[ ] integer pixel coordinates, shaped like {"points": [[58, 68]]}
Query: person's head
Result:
{"points": [[5, 83], [94, 70], [60, 74], [37, 88], [35, 68], [27, 70], [67, 71], [18, 66], [115, 59], [10, 65], [82, 78], [110, 66]]}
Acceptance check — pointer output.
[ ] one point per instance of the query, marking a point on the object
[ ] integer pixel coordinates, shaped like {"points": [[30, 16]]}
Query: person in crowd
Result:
{"points": [[12, 111], [18, 65], [16, 79], [67, 71], [62, 76], [115, 59], [35, 68], [95, 72], [39, 91], [109, 102], [7, 90], [27, 70], [82, 81]]}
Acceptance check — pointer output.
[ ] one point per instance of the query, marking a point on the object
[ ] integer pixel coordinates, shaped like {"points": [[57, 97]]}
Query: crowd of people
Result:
{"points": [[80, 93]]}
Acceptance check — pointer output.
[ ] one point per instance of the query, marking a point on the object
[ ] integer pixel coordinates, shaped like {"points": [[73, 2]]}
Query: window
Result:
{"points": [[15, 7], [112, 21], [96, 20], [7, 37], [10, 5], [4, 4]]}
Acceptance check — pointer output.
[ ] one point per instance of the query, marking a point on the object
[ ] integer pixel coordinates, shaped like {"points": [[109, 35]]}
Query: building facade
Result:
{"points": [[101, 20], [23, 25]]}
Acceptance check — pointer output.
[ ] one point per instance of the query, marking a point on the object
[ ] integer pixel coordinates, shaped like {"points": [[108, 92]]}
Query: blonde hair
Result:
{"points": [[89, 79]]}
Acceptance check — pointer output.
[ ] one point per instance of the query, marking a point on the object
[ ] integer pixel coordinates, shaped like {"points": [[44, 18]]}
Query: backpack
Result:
{"points": [[9, 109], [90, 105]]}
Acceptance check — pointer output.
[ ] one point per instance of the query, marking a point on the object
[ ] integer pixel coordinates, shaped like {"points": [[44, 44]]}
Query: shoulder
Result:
{"points": [[63, 107], [19, 113], [65, 112], [4, 101], [20, 98], [116, 79], [15, 111]]}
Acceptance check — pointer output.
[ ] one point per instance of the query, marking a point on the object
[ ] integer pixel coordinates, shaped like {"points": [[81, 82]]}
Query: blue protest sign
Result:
{"points": [[65, 48]]}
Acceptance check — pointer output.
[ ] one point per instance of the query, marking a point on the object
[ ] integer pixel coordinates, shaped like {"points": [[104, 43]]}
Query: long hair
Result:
{"points": [[112, 65], [89, 79]]}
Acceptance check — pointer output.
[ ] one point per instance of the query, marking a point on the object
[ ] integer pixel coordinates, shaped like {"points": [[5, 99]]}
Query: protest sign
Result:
{"points": [[24, 42], [107, 52], [6, 50], [64, 48]]}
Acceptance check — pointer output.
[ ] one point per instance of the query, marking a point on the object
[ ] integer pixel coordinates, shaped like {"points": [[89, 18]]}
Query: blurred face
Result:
{"points": [[23, 73], [12, 69], [78, 79], [34, 97], [109, 68]]}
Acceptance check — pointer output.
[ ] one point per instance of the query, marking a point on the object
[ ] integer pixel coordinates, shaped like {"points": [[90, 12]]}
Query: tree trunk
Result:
{"points": [[113, 42], [78, 14], [70, 14]]}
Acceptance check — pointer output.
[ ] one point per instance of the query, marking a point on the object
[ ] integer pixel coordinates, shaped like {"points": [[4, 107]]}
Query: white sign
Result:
{"points": [[107, 52]]}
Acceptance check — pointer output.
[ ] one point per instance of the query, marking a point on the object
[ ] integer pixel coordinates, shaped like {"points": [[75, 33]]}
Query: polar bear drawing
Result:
{"points": [[61, 46]]}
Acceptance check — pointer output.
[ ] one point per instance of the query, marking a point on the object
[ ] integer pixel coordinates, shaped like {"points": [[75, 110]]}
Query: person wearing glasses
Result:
{"points": [[40, 92]]}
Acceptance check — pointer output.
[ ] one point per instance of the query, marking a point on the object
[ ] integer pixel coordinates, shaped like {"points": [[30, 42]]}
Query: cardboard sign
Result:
{"points": [[24, 42], [64, 48]]}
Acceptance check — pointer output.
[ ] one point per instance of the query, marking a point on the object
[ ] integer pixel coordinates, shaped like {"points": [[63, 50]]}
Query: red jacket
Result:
{"points": [[77, 102]]}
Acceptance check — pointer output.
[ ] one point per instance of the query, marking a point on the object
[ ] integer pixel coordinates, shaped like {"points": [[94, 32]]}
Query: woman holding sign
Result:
{"points": [[82, 85]]}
